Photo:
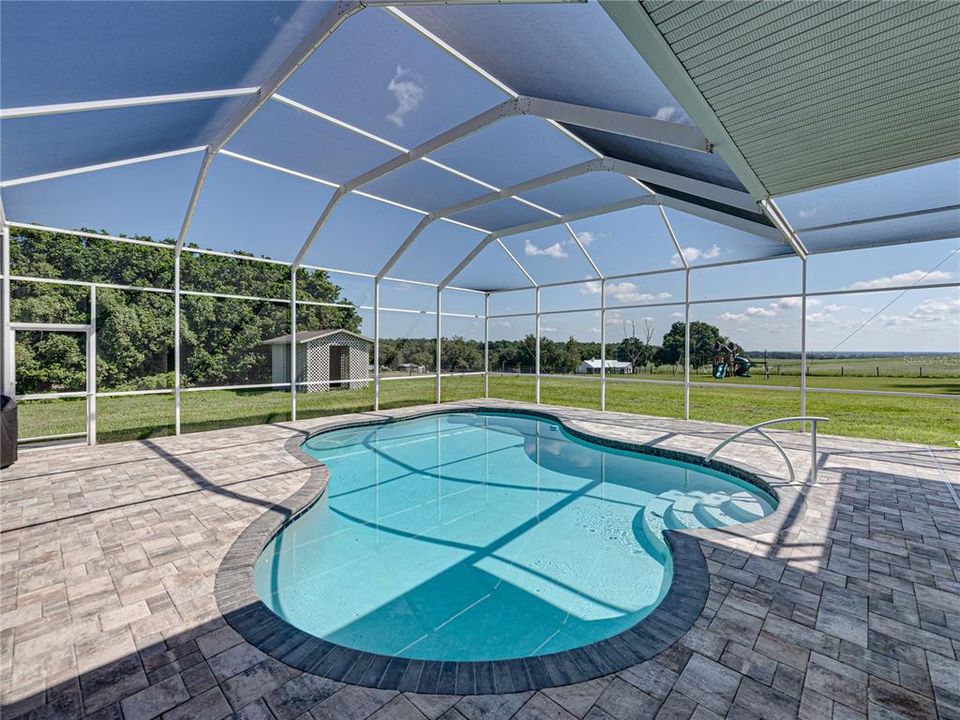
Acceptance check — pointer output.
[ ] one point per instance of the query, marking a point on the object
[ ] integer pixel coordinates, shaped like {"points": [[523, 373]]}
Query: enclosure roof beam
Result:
{"points": [[707, 190], [517, 263], [507, 108], [332, 20], [688, 185], [673, 238], [576, 241], [634, 125], [622, 123], [118, 103], [99, 166], [549, 222], [445, 213], [718, 216], [789, 234]]}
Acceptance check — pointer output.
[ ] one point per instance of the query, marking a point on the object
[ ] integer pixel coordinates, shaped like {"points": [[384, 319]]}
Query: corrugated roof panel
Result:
{"points": [[924, 74], [691, 14], [755, 22], [815, 93], [817, 75]]}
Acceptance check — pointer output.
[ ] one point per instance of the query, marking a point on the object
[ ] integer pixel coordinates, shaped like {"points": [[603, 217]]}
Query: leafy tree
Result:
{"points": [[572, 355], [460, 354], [221, 338], [703, 336]]}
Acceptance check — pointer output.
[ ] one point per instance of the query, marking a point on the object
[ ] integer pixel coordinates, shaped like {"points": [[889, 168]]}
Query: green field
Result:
{"points": [[934, 421]]}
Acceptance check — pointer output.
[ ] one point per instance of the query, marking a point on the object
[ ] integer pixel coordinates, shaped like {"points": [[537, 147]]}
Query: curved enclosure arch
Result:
{"points": [[476, 536]]}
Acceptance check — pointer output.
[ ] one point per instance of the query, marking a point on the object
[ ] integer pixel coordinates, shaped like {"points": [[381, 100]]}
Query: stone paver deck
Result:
{"points": [[109, 556]]}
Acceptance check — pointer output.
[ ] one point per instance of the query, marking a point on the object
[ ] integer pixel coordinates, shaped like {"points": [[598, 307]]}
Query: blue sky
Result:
{"points": [[410, 90]]}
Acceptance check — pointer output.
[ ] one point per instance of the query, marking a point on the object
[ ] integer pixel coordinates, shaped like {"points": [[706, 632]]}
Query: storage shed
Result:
{"points": [[326, 360]]}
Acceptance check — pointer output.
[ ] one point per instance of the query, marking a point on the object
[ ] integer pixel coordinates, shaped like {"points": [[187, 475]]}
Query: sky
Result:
{"points": [[409, 91]]}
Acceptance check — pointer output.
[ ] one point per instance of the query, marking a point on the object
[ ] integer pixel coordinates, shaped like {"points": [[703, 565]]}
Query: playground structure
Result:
{"points": [[727, 360]]}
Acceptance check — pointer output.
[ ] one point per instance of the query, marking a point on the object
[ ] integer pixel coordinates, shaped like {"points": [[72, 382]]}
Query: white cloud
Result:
{"points": [[754, 311], [833, 307], [907, 278], [627, 293], [614, 317], [586, 237], [928, 314], [590, 288], [731, 317], [693, 254], [555, 251], [793, 302], [544, 328], [407, 89], [666, 112], [831, 321], [676, 315]]}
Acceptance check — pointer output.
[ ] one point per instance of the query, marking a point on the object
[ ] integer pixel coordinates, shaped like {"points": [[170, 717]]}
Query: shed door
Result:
{"points": [[339, 365]]}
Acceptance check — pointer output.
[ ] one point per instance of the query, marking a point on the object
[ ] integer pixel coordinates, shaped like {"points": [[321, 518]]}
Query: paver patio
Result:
{"points": [[109, 556]]}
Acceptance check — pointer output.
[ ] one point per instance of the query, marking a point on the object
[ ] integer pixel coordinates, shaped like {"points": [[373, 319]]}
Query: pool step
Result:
{"points": [[744, 506], [655, 520], [711, 512], [676, 510]]}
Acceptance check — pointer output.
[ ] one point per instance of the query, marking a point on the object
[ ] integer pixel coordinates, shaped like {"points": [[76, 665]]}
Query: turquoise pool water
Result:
{"points": [[485, 536]]}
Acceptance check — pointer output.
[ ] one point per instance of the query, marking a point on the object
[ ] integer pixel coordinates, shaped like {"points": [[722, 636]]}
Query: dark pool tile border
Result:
{"points": [[664, 626]]}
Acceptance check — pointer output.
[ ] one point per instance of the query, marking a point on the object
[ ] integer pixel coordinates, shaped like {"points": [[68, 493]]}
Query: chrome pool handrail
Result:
{"points": [[756, 428]]}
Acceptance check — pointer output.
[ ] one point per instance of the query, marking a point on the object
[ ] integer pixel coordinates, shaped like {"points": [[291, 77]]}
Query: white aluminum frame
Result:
{"points": [[89, 331]]}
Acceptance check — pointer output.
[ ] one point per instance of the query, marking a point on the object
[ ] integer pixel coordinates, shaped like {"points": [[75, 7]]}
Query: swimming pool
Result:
{"points": [[485, 536]]}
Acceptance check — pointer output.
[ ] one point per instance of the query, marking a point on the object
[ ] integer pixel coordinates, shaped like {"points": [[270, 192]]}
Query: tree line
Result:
{"points": [[222, 338]]}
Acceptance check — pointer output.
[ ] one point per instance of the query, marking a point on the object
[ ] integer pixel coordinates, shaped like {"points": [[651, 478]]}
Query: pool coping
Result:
{"points": [[246, 613]]}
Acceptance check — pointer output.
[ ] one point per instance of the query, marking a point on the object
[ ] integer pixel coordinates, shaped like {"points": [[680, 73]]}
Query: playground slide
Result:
{"points": [[720, 370]]}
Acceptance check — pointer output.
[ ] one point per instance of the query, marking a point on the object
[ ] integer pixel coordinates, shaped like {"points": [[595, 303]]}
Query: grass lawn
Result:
{"points": [[934, 421]]}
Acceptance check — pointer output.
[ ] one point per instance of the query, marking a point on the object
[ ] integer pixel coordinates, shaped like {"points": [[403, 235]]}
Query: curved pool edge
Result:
{"points": [[245, 612]]}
